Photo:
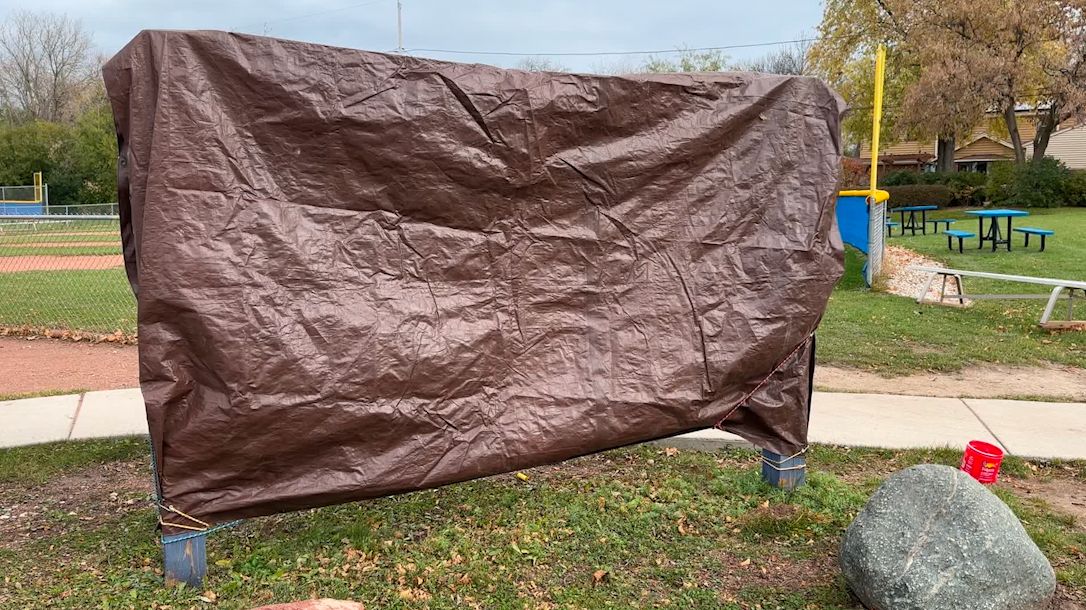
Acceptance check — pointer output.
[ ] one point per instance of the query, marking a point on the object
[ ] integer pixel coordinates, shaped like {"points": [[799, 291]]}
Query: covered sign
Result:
{"points": [[361, 274]]}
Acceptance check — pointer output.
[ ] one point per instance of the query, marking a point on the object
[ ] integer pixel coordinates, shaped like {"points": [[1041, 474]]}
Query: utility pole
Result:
{"points": [[399, 26]]}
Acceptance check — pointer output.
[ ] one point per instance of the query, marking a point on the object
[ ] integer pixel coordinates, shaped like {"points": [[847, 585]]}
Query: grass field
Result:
{"points": [[632, 528], [89, 300], [894, 335], [84, 250], [42, 290], [58, 225], [27, 238], [1064, 256]]}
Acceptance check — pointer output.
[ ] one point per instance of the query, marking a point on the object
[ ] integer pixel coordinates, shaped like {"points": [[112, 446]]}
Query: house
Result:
{"points": [[1067, 145], [975, 153]]}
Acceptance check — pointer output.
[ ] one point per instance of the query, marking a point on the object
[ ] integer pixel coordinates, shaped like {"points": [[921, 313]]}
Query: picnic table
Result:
{"points": [[912, 224], [994, 234]]}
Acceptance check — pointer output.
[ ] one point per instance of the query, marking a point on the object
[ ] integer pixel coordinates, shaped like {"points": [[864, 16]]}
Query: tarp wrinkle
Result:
{"points": [[363, 274]]}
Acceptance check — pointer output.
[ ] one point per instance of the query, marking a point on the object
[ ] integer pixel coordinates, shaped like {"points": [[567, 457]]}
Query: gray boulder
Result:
{"points": [[932, 538]]}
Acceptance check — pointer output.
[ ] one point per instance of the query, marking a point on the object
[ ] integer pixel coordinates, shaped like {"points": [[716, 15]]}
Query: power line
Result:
{"points": [[601, 53]]}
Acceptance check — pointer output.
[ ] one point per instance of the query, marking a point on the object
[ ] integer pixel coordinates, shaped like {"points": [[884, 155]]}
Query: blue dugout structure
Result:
{"points": [[861, 219]]}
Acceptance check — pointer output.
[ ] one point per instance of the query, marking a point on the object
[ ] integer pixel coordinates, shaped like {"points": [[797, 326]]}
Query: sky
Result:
{"points": [[533, 27]]}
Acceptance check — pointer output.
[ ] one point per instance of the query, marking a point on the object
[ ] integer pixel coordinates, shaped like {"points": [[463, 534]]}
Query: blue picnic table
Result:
{"points": [[912, 224], [993, 234]]}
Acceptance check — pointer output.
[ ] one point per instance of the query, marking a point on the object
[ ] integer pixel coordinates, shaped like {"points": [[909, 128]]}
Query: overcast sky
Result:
{"points": [[524, 26]]}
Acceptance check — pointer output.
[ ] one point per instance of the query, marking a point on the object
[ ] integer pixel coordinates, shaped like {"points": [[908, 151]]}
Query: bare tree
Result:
{"points": [[46, 66], [688, 61], [539, 63], [790, 59], [615, 66]]}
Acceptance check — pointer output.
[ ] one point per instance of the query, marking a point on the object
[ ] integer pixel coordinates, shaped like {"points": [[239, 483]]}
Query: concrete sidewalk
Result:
{"points": [[1024, 428]]}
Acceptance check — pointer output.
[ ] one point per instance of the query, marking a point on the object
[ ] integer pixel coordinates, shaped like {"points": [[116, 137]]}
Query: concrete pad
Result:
{"points": [[1036, 429], [709, 439], [893, 422], [36, 420], [110, 413]]}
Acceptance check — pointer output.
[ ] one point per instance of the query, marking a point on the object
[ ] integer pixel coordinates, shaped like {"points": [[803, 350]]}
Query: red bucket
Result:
{"points": [[981, 461]]}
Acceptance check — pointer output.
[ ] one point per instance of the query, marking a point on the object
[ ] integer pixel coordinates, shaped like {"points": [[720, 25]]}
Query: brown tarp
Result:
{"points": [[361, 274]]}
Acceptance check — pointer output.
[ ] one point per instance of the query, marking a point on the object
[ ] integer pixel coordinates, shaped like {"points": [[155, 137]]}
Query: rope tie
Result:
{"points": [[776, 465], [203, 525], [221, 526]]}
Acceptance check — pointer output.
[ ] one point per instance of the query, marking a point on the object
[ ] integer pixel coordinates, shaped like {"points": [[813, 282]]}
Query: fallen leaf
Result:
{"points": [[671, 451], [598, 577], [745, 562]]}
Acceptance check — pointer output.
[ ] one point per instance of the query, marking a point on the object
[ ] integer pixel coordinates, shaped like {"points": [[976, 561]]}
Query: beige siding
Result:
{"points": [[992, 128], [1027, 128], [899, 148], [996, 127], [984, 147], [1068, 146]]}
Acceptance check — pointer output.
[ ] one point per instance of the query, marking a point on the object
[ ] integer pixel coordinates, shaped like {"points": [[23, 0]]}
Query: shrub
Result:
{"points": [[1074, 188], [853, 175], [968, 187], [900, 177], [1036, 184], [920, 194], [932, 178], [1001, 182]]}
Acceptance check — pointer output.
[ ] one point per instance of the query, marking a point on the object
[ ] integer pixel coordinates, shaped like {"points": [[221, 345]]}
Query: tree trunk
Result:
{"points": [[1016, 138], [1047, 122], [944, 150]]}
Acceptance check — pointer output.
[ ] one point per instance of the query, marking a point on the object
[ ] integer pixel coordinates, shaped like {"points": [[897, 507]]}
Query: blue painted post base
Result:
{"points": [[782, 471], [185, 557]]}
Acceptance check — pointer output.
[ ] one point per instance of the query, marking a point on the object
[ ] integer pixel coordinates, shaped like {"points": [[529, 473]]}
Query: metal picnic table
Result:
{"points": [[994, 235], [912, 224]]}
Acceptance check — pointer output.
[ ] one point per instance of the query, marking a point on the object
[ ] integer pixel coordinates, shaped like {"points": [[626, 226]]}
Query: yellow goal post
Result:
{"points": [[38, 195]]}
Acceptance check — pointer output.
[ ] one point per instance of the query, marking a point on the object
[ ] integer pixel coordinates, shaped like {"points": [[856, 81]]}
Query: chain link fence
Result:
{"points": [[62, 274]]}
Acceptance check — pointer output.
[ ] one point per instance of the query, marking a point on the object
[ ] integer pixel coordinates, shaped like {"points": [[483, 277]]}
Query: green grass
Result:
{"points": [[25, 239], [693, 530], [57, 224], [1064, 256], [39, 250], [894, 335], [35, 464], [89, 300], [22, 395]]}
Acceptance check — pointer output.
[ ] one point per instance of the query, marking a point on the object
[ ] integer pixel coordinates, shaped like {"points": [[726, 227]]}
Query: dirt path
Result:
{"points": [[1064, 495], [41, 365], [980, 381], [37, 262]]}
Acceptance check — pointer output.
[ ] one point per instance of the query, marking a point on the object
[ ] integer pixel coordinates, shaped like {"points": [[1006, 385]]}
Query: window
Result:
{"points": [[980, 167]]}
